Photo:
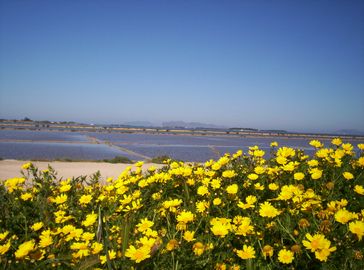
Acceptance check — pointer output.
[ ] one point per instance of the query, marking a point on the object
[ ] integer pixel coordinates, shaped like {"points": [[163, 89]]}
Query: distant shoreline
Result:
{"points": [[179, 132]]}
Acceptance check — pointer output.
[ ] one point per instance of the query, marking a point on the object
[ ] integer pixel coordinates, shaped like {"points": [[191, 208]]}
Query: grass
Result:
{"points": [[118, 159], [160, 159]]}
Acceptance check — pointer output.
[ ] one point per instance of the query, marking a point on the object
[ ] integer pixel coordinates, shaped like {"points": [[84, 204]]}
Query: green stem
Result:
{"points": [[286, 230]]}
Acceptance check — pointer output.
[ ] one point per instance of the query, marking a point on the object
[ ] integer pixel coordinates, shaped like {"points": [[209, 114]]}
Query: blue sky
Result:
{"points": [[295, 65]]}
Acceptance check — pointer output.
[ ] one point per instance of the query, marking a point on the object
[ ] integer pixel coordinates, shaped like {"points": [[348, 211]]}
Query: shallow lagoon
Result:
{"points": [[40, 135], [51, 151], [28, 144]]}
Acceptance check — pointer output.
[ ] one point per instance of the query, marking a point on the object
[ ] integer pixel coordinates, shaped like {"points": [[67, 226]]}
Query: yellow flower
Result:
{"points": [[228, 174], [87, 236], [286, 152], [139, 164], [243, 226], [4, 248], [361, 146], [24, 249], [323, 153], [267, 251], [220, 266], [103, 259], [232, 189], [357, 227], [316, 174], [259, 170], [274, 144], [247, 252], [253, 176], [312, 163], [359, 189], [273, 186], [26, 166], [291, 191], [156, 196], [268, 210], [201, 206], [13, 184], [172, 244], [85, 199], [198, 248], [285, 256], [298, 176], [258, 186], [251, 199], [26, 196], [343, 216], [323, 254], [220, 226], [202, 190], [185, 217], [320, 245], [316, 144], [61, 216], [81, 248], [45, 239], [172, 204], [112, 254], [348, 175], [361, 161], [216, 201], [188, 236], [315, 242], [144, 225], [336, 141], [97, 247], [74, 234], [139, 254], [216, 166], [281, 160], [65, 188], [216, 183], [3, 235], [90, 220], [348, 148], [61, 199], [259, 153], [238, 154]]}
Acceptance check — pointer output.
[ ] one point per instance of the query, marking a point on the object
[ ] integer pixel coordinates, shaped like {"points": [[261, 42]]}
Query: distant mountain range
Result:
{"points": [[139, 124], [192, 125], [349, 132]]}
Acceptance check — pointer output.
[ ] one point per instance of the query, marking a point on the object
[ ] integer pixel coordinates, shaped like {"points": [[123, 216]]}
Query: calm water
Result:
{"points": [[78, 145], [49, 151], [42, 136]]}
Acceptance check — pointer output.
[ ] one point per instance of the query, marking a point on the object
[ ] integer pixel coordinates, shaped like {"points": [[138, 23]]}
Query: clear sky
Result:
{"points": [[295, 65]]}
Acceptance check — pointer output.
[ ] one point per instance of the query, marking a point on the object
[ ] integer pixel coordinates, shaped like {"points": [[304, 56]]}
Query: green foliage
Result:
{"points": [[239, 212], [118, 159], [160, 159]]}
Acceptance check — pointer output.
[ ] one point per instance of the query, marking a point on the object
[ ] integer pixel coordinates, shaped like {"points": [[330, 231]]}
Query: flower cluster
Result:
{"points": [[242, 211]]}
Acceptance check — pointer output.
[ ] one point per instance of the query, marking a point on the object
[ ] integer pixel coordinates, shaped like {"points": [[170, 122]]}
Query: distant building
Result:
{"points": [[236, 129]]}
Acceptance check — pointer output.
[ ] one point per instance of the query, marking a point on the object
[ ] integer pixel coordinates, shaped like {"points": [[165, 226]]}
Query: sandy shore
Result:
{"points": [[12, 168]]}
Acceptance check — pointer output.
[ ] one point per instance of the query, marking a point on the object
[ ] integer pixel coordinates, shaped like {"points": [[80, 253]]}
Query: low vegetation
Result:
{"points": [[119, 159], [243, 211], [160, 159]]}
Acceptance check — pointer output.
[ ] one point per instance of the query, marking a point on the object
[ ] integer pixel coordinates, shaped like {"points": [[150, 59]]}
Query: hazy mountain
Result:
{"points": [[349, 132], [139, 124], [179, 124]]}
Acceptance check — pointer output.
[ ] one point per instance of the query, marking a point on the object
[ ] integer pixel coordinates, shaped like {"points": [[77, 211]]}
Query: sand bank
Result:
{"points": [[12, 168]]}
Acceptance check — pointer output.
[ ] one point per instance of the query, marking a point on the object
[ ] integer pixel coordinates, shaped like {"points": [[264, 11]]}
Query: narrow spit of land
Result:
{"points": [[12, 168]]}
